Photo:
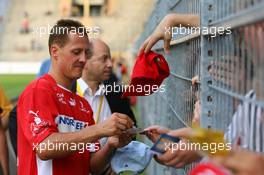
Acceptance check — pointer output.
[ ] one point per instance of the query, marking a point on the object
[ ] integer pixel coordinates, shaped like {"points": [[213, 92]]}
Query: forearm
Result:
{"points": [[62, 142], [3, 152], [100, 159], [185, 20], [5, 121]]}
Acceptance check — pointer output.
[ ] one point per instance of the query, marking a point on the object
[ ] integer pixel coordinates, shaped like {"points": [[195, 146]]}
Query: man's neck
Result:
{"points": [[61, 80], [93, 84]]}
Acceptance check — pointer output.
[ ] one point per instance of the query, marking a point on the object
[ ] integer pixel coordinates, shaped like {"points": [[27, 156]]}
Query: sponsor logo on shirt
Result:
{"points": [[82, 108], [60, 97], [72, 102], [69, 124], [38, 125]]}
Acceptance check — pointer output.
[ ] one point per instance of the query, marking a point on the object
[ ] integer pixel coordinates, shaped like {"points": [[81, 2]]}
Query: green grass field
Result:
{"points": [[14, 84]]}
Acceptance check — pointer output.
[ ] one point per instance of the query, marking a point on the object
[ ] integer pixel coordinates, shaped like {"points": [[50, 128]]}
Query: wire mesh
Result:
{"points": [[229, 72]]}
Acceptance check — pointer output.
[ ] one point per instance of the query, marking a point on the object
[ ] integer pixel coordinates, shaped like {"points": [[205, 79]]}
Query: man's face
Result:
{"points": [[72, 57], [99, 66]]}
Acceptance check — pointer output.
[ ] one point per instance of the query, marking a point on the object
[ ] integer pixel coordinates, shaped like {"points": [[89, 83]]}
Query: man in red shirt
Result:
{"points": [[56, 131]]}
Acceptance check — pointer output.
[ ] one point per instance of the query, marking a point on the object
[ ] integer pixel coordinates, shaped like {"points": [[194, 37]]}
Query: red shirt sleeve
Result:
{"points": [[36, 115]]}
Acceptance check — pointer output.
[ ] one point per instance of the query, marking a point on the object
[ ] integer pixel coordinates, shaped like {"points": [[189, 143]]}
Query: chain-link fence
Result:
{"points": [[229, 68]]}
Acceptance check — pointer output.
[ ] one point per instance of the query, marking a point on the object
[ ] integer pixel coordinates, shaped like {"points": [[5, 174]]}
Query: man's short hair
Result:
{"points": [[60, 31]]}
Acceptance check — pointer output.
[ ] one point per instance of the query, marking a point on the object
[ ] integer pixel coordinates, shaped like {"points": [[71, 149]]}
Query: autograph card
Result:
{"points": [[160, 146]]}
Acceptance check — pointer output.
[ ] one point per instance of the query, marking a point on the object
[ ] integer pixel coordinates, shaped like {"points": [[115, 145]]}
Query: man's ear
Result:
{"points": [[54, 51]]}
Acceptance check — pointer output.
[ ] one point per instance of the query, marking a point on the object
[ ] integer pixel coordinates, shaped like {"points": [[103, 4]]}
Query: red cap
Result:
{"points": [[208, 168], [148, 73]]}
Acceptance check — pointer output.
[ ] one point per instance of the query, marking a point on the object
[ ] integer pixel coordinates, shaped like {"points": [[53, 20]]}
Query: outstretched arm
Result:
{"points": [[161, 31]]}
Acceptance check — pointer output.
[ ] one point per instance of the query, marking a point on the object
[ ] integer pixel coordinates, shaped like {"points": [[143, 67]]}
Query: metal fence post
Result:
{"points": [[207, 113]]}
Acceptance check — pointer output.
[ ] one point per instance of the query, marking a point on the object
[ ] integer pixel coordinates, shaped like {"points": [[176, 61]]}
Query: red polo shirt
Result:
{"points": [[45, 108]]}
